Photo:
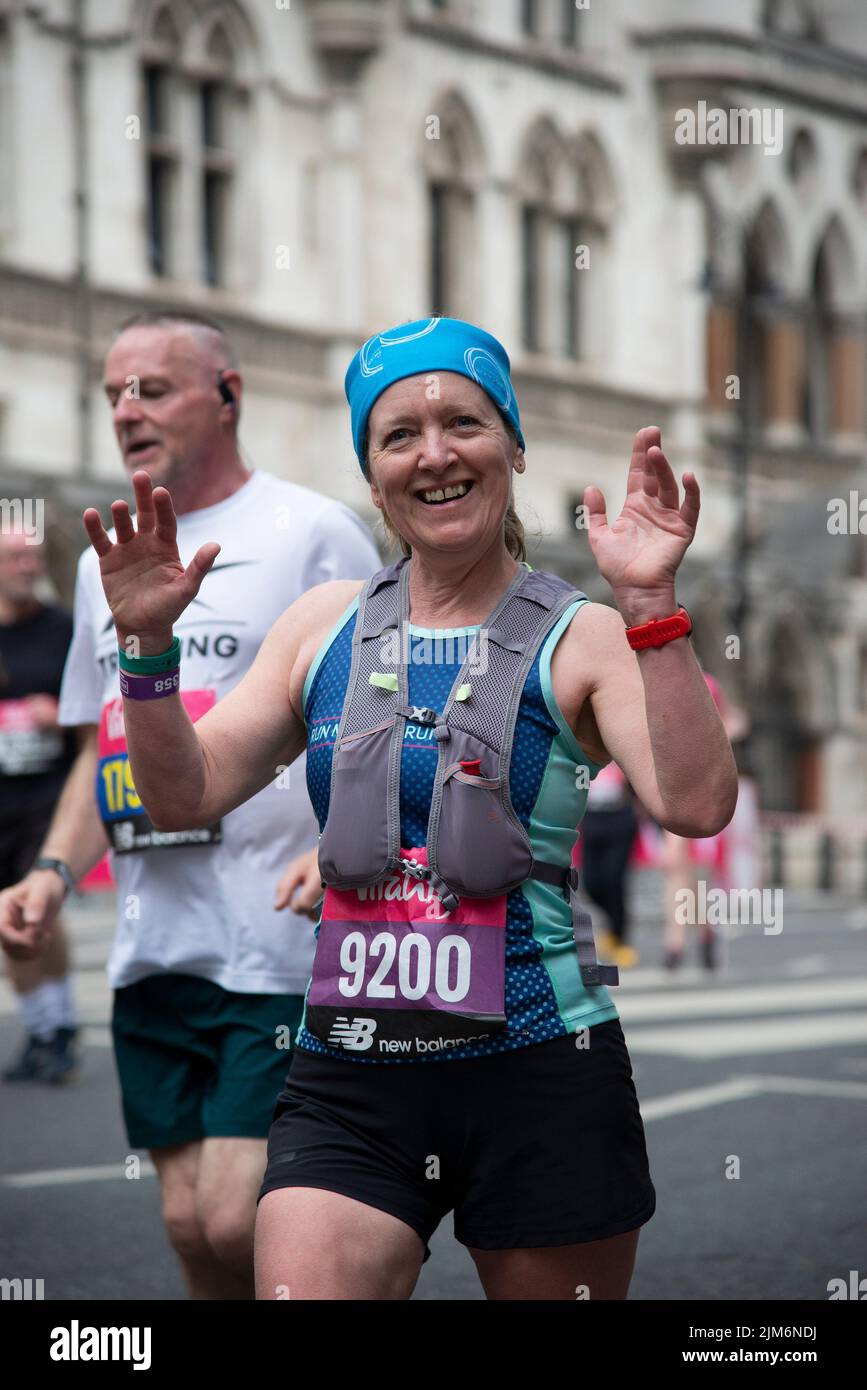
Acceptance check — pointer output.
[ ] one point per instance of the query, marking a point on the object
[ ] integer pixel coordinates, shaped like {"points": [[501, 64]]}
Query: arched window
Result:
{"points": [[755, 368], [791, 711], [570, 23], [531, 18], [555, 21], [834, 386], [801, 162], [548, 228], [193, 100], [564, 196], [162, 139], [770, 358], [454, 162], [819, 337], [791, 19], [217, 109]]}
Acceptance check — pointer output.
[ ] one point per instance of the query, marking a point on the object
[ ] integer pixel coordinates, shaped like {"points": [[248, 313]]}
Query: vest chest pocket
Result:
{"points": [[353, 847], [481, 849]]}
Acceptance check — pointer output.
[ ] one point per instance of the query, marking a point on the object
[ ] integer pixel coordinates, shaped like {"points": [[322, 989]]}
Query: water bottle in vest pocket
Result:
{"points": [[480, 846]]}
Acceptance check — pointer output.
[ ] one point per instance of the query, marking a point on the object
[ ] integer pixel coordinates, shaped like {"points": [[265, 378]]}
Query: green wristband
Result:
{"points": [[151, 665]]}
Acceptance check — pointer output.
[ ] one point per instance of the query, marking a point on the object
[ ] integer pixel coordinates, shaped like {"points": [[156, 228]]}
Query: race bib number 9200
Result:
{"points": [[395, 974]]}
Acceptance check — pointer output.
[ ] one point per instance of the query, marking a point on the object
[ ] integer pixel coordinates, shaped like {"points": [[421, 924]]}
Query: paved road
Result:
{"points": [[764, 1063]]}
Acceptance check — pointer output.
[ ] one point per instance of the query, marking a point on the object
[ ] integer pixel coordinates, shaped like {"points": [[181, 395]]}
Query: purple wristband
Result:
{"points": [[150, 687]]}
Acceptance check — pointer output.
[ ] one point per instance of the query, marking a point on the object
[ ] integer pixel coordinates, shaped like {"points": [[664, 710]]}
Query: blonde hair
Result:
{"points": [[514, 538]]}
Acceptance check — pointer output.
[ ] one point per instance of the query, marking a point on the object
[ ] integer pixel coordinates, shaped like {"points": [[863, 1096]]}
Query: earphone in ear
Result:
{"points": [[225, 391]]}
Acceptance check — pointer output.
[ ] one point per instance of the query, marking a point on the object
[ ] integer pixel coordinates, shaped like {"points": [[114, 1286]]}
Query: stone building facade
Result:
{"points": [[311, 170]]}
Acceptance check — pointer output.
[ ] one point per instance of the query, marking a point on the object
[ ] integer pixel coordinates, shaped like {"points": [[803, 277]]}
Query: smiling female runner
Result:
{"points": [[460, 1049]]}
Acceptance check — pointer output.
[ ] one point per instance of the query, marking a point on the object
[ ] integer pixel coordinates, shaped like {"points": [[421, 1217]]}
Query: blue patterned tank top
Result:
{"points": [[544, 995]]}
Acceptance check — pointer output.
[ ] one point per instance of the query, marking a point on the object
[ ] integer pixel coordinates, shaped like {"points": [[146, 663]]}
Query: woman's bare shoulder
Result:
{"points": [[324, 603], [586, 645], [313, 616]]}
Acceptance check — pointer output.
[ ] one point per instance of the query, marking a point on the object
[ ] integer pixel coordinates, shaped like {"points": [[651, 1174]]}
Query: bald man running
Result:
{"points": [[208, 977]]}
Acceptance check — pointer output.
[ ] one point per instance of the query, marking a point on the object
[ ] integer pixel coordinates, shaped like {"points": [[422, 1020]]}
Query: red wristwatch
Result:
{"points": [[659, 631]]}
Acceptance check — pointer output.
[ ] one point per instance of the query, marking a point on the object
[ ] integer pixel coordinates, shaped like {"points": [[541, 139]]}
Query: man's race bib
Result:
{"points": [[397, 975], [126, 821], [25, 749]]}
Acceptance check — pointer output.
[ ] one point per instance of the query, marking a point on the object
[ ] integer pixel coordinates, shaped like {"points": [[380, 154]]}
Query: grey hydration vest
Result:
{"points": [[476, 845]]}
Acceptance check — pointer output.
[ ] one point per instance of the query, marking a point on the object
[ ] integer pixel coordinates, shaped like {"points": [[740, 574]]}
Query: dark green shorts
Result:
{"points": [[196, 1061]]}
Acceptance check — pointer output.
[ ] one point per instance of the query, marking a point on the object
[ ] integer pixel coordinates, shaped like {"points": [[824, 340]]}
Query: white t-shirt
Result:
{"points": [[200, 902]]}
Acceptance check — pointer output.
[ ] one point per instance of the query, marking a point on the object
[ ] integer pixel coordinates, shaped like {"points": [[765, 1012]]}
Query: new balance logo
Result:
{"points": [[356, 1036]]}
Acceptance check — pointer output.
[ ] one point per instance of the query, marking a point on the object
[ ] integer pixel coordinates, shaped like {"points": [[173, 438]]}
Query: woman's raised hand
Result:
{"points": [[146, 585], [643, 548]]}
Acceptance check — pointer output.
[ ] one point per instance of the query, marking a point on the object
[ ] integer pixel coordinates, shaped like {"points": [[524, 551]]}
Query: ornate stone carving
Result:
{"points": [[346, 33]]}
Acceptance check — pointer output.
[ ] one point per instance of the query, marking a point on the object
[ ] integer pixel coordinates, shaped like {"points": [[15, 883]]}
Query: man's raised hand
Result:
{"points": [[146, 586]]}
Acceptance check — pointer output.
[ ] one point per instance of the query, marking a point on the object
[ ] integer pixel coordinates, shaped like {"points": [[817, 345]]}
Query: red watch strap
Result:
{"points": [[659, 631]]}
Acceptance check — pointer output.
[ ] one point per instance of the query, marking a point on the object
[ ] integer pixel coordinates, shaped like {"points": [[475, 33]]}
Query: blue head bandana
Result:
{"points": [[428, 345]]}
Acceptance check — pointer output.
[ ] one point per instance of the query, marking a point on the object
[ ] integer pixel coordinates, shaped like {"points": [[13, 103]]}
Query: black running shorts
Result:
{"points": [[22, 833], [536, 1147]]}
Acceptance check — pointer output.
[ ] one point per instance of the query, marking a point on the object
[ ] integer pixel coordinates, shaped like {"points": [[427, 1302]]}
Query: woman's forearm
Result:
{"points": [[188, 777], [192, 775], [693, 762], [165, 755]]}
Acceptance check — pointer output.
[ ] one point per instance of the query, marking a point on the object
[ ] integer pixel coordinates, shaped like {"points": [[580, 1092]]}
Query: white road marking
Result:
{"points": [[806, 965], [60, 1177], [748, 1038], [814, 1086], [747, 999], [744, 1087], [699, 1099], [650, 978]]}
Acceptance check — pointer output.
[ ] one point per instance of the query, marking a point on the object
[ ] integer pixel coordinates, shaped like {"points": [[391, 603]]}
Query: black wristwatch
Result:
{"points": [[60, 868]]}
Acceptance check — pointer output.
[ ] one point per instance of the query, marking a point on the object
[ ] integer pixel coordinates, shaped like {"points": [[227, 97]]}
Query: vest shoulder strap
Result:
{"points": [[504, 654]]}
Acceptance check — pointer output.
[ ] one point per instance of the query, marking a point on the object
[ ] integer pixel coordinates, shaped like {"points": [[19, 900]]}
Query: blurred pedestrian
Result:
{"points": [[35, 756], [208, 979], [607, 835]]}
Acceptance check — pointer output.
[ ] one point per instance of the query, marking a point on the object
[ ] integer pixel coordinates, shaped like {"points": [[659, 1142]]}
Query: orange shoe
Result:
{"points": [[606, 944], [625, 957]]}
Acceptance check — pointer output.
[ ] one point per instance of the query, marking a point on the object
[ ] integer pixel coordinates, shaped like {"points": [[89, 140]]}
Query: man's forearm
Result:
{"points": [[77, 835]]}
